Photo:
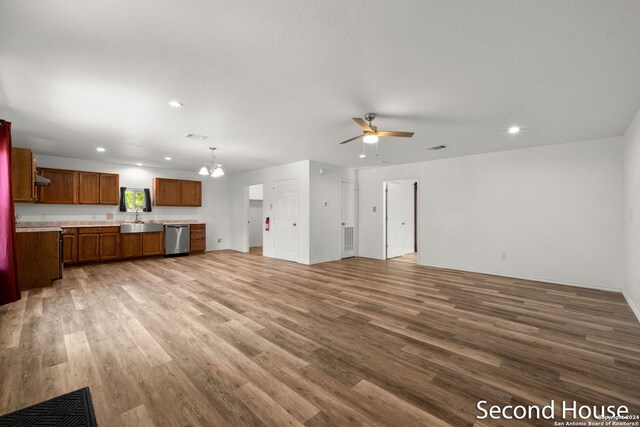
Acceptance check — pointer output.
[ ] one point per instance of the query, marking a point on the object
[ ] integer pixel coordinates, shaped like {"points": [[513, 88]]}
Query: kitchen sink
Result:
{"points": [[140, 227]]}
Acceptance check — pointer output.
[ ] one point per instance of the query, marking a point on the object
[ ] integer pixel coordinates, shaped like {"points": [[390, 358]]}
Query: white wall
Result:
{"points": [[255, 223], [554, 211], [632, 215], [325, 210], [239, 206], [214, 199]]}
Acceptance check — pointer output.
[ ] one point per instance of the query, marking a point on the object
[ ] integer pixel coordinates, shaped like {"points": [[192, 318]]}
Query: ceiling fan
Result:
{"points": [[371, 132]]}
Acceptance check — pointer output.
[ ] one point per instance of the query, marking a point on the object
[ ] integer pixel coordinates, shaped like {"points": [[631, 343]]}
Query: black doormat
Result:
{"points": [[73, 409]]}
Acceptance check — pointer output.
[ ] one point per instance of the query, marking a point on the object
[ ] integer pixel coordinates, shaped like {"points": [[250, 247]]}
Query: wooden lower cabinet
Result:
{"points": [[142, 244], [88, 246], [98, 243], [198, 235], [109, 246], [70, 245], [152, 243], [131, 244], [38, 259]]}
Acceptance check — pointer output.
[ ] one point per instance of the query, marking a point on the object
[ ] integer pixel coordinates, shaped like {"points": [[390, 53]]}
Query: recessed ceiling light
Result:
{"points": [[167, 158], [175, 104], [363, 156], [196, 136], [138, 164], [100, 149], [514, 129]]}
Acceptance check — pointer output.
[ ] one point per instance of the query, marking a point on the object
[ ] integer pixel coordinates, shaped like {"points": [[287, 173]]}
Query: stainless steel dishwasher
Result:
{"points": [[176, 239]]}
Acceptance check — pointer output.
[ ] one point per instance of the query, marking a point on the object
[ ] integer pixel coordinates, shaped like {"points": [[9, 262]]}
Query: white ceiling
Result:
{"points": [[272, 82]]}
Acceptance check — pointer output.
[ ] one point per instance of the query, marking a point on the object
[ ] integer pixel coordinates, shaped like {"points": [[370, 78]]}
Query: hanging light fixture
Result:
{"points": [[212, 169]]}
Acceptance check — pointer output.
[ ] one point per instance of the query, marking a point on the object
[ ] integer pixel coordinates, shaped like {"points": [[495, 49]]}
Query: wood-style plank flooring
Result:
{"points": [[236, 339]]}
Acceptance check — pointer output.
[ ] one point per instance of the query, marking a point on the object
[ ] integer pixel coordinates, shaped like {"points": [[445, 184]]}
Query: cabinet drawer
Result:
{"points": [[70, 231], [92, 230], [198, 234], [198, 227], [89, 230]]}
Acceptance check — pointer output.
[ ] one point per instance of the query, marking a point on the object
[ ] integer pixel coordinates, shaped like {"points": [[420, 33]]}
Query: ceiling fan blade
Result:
{"points": [[393, 133], [362, 124], [352, 139]]}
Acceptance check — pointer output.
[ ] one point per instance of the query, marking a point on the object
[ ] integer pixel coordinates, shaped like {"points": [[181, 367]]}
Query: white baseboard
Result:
{"points": [[634, 308], [321, 260], [533, 279]]}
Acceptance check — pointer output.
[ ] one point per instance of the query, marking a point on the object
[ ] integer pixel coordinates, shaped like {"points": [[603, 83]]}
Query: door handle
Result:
{"points": [[403, 223], [294, 224], [343, 223]]}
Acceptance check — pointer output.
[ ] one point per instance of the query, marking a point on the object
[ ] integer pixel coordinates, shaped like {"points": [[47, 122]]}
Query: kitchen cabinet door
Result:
{"points": [[153, 243], [88, 188], [88, 247], [131, 244], [109, 246], [166, 192], [63, 188], [109, 189], [22, 175], [69, 246], [38, 259], [198, 233], [190, 193]]}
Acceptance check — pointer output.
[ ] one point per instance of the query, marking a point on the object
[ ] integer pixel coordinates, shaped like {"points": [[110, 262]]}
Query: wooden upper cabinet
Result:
{"points": [[109, 189], [177, 192], [63, 188], [166, 192], [23, 175], [88, 188], [191, 193]]}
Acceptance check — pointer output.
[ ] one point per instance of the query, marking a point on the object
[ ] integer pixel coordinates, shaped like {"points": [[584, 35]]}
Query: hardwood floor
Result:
{"points": [[235, 339]]}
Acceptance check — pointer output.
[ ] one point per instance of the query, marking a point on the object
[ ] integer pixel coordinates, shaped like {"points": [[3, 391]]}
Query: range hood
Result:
{"points": [[41, 180]]}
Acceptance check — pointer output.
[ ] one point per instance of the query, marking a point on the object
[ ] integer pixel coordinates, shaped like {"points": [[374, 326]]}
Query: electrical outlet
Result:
{"points": [[219, 239], [374, 208], [504, 255]]}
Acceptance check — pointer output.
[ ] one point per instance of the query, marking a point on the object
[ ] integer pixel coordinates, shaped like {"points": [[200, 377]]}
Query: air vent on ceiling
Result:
{"points": [[196, 136], [436, 147]]}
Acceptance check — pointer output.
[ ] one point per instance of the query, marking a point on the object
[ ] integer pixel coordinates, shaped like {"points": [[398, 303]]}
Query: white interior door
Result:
{"points": [[255, 223], [399, 218], [285, 220], [348, 219]]}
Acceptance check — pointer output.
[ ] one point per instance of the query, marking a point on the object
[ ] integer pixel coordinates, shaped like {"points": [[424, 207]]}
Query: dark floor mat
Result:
{"points": [[73, 409]]}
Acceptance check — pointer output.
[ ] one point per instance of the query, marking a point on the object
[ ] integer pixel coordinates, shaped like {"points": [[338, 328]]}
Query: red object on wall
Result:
{"points": [[9, 291], [266, 224]]}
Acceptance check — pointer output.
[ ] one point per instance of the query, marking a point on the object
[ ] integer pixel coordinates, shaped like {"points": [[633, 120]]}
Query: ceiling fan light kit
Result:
{"points": [[371, 134]]}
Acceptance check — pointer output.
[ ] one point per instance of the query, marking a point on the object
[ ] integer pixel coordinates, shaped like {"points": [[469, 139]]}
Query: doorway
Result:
{"points": [[401, 220], [256, 214]]}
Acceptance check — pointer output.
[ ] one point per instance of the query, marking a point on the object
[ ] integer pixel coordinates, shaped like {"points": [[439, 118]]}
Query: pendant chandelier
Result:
{"points": [[212, 169]]}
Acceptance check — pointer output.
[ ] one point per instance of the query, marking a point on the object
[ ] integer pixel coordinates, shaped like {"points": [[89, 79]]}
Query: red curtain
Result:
{"points": [[9, 291]]}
